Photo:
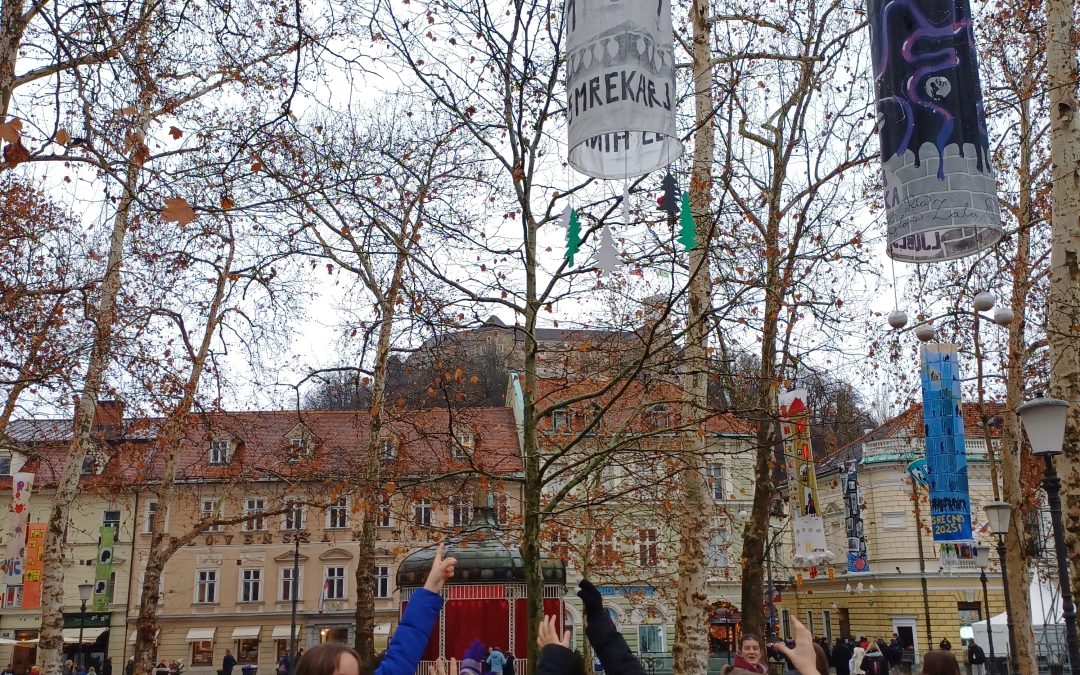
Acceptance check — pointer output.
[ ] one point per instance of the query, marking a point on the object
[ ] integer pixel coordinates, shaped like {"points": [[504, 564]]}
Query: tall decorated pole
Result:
{"points": [[939, 190]]}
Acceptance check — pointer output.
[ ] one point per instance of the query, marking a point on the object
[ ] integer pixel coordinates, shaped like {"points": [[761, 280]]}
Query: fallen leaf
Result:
{"points": [[178, 210], [10, 130], [175, 133], [62, 136]]}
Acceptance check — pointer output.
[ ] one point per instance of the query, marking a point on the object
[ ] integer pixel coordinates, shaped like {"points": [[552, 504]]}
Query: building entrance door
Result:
{"points": [[904, 627], [845, 621]]}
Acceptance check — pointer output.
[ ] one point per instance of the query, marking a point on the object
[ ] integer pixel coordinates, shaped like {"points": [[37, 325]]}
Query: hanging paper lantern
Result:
{"points": [[940, 196], [620, 87]]}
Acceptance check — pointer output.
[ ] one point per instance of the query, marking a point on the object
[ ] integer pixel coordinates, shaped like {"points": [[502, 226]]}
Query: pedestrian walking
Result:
{"points": [[227, 663], [874, 661], [841, 657], [976, 658], [508, 667], [129, 668], [496, 660]]}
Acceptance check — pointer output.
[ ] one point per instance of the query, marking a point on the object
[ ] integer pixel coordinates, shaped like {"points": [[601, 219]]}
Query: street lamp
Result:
{"points": [[86, 589], [1044, 423], [982, 559], [999, 515]]}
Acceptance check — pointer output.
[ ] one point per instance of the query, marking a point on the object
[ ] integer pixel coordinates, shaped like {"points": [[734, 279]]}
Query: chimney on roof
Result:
{"points": [[109, 418]]}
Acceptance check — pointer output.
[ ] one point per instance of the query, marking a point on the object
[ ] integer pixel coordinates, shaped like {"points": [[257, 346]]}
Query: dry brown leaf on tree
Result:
{"points": [[62, 136], [178, 210], [11, 130], [175, 133], [15, 154]]}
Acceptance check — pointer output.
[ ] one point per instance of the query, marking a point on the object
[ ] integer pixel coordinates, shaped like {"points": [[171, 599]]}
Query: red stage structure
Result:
{"points": [[486, 598]]}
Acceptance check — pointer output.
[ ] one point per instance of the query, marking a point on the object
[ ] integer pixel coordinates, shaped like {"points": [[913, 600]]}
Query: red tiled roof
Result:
{"points": [[262, 449]]}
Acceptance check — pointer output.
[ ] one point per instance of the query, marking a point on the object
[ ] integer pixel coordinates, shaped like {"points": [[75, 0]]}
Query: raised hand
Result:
{"points": [[803, 656], [441, 571], [548, 634], [436, 668]]}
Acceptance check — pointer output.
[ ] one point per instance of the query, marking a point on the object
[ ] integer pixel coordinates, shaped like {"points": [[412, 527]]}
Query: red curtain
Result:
{"points": [[553, 606], [468, 620]]}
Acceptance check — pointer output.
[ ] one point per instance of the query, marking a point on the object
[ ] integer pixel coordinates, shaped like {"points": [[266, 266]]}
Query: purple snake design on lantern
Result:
{"points": [[926, 75]]}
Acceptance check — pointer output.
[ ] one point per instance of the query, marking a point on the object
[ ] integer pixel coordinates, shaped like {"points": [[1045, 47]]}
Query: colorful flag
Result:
{"points": [[795, 429], [858, 558], [35, 565], [15, 556], [103, 570]]}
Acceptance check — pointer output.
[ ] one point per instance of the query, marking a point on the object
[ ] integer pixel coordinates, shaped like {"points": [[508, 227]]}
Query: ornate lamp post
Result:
{"points": [[982, 559], [298, 537], [86, 589], [1044, 423], [999, 515]]}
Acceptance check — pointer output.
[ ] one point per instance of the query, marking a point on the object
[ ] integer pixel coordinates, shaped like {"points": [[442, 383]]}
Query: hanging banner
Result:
{"points": [[939, 191], [811, 548], [35, 565], [620, 87], [857, 560], [103, 570], [795, 430], [15, 555], [946, 461]]}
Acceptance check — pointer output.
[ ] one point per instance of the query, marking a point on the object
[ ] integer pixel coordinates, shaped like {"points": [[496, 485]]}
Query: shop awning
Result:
{"points": [[282, 632], [71, 635], [200, 634], [248, 632]]}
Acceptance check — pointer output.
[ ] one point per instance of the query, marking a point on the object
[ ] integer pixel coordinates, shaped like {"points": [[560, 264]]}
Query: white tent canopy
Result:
{"points": [[1040, 597]]}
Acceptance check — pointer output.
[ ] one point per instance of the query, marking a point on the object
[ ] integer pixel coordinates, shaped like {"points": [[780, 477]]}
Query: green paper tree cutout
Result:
{"points": [[687, 229], [573, 237]]}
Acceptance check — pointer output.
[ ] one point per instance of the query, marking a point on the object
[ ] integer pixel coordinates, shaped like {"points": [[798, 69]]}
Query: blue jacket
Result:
{"points": [[496, 660], [411, 637]]}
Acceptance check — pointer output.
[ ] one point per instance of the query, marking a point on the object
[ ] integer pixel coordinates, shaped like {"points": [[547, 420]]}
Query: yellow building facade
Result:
{"points": [[923, 601]]}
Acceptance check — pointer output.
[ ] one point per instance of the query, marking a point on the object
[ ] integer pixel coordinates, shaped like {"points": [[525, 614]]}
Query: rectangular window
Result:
{"points": [[151, 517], [810, 621], [461, 510], [604, 546], [383, 517], [202, 653], [286, 586], [334, 586], [209, 510], [294, 516], [219, 451], [5, 466], [387, 448], [502, 509], [337, 516], [110, 590], [718, 550], [89, 465], [250, 585], [560, 421], [463, 444], [718, 480], [651, 639], [206, 586], [785, 623], [560, 544], [247, 651], [422, 512], [253, 509], [647, 556], [382, 581], [826, 624], [968, 613], [111, 519], [609, 477]]}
